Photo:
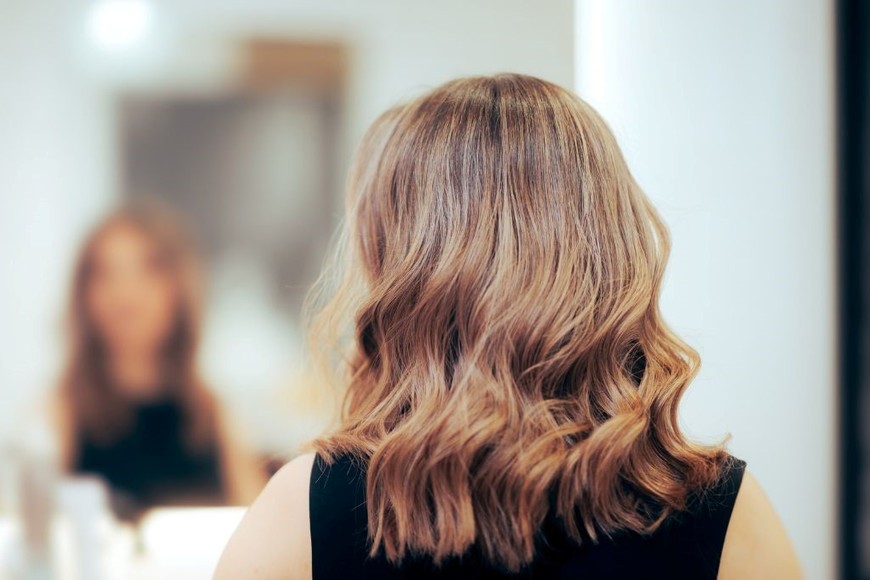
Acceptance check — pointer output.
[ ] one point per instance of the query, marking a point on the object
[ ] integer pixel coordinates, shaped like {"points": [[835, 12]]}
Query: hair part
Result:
{"points": [[507, 358]]}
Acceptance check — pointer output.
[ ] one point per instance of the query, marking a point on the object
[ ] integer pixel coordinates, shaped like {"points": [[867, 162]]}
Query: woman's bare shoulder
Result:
{"points": [[273, 540], [756, 544]]}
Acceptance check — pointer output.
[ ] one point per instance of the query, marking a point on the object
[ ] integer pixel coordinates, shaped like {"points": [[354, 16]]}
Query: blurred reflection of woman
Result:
{"points": [[132, 407], [512, 390]]}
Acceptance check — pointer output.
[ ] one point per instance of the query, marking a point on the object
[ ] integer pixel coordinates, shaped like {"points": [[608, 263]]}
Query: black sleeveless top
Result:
{"points": [[150, 464], [688, 545]]}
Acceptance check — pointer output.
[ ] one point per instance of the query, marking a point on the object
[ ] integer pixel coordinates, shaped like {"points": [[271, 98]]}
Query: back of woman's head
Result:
{"points": [[507, 356]]}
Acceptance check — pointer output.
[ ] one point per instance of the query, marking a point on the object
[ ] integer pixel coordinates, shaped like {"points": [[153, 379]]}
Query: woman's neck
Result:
{"points": [[136, 375]]}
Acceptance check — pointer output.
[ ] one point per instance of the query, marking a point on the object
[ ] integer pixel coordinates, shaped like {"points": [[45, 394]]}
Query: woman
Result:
{"points": [[512, 390], [132, 407]]}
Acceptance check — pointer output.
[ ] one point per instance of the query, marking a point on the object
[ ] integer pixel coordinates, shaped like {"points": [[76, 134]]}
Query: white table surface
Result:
{"points": [[174, 544]]}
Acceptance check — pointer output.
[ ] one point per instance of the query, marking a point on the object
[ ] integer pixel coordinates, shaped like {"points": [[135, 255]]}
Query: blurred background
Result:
{"points": [[171, 176]]}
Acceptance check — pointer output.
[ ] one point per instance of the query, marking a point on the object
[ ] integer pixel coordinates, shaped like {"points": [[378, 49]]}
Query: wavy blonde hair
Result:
{"points": [[507, 358]]}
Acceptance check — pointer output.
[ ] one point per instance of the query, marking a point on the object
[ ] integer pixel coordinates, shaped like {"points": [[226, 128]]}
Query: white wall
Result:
{"points": [[57, 134], [725, 111], [402, 47], [55, 174]]}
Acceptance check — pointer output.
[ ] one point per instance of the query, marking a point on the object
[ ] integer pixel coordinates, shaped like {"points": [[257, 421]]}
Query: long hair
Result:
{"points": [[498, 331], [97, 410]]}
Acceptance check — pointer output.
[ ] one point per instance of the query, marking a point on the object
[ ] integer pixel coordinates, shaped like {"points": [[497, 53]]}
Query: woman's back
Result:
{"points": [[688, 545]]}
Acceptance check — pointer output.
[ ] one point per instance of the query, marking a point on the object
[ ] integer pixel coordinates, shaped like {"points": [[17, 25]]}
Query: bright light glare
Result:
{"points": [[119, 24]]}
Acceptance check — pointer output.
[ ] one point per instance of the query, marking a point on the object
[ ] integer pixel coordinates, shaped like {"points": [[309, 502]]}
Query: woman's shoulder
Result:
{"points": [[756, 544], [274, 540], [294, 475]]}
